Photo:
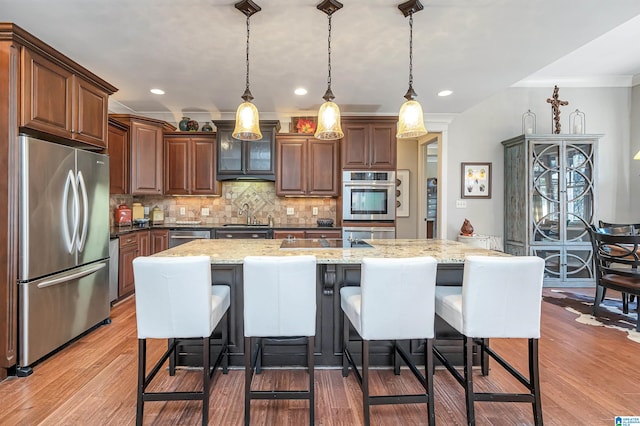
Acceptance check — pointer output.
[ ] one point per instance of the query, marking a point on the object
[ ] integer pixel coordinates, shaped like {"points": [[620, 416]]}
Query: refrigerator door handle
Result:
{"points": [[70, 184], [82, 235], [75, 275]]}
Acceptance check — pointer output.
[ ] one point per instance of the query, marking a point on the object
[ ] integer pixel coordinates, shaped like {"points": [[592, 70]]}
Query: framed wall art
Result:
{"points": [[476, 180]]}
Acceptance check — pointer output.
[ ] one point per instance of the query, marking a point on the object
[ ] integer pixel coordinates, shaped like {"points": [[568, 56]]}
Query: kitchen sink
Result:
{"points": [[244, 225]]}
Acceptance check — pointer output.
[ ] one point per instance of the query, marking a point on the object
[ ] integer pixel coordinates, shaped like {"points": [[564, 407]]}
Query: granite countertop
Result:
{"points": [[116, 231], [234, 251]]}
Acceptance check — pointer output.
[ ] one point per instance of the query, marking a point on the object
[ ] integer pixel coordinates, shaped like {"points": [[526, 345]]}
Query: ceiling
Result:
{"points": [[195, 51]]}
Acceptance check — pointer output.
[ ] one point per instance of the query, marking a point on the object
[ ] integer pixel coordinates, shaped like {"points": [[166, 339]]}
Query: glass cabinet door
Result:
{"points": [[545, 194], [230, 153], [579, 191], [259, 155]]}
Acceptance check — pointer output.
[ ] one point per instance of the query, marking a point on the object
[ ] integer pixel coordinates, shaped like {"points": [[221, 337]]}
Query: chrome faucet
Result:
{"points": [[246, 210]]}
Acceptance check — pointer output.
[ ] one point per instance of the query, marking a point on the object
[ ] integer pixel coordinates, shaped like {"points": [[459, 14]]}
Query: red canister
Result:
{"points": [[123, 215]]}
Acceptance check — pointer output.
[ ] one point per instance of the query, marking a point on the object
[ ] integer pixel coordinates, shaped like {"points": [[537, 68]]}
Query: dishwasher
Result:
{"points": [[181, 236]]}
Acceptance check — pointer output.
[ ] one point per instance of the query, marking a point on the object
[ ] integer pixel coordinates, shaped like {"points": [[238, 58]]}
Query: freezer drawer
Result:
{"points": [[58, 308]]}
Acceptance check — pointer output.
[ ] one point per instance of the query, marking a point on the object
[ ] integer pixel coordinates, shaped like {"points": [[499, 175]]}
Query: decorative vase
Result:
{"points": [[192, 125], [206, 127], [182, 125], [467, 228]]}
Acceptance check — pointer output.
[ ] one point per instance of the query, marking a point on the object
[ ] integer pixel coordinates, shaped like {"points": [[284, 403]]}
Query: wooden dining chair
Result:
{"points": [[616, 260]]}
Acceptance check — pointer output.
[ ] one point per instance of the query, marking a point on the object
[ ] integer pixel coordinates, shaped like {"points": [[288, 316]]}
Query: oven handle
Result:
{"points": [[188, 237], [371, 184]]}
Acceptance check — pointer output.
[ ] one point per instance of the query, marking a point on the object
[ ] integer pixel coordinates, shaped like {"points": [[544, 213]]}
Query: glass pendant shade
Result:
{"points": [[411, 121], [329, 127], [247, 123], [637, 156]]}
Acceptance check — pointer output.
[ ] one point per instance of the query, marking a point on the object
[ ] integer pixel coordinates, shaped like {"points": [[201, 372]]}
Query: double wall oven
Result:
{"points": [[369, 204]]}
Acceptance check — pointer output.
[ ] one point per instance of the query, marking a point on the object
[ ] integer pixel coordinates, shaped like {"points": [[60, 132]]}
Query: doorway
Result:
{"points": [[431, 188]]}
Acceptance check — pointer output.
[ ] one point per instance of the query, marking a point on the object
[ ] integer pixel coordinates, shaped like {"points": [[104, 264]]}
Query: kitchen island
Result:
{"points": [[337, 267]]}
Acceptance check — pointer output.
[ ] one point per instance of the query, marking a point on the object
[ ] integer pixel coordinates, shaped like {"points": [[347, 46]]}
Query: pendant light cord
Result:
{"points": [[329, 52], [247, 53], [410, 49]]}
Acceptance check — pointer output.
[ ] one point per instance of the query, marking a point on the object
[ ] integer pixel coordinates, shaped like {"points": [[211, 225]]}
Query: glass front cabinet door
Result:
{"points": [[246, 159], [550, 198]]}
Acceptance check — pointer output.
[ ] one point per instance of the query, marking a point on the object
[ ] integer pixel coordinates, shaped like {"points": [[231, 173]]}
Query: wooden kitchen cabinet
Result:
{"points": [[369, 143], [159, 240], [62, 103], [128, 251], [307, 166], [189, 164], [144, 243], [118, 151], [146, 158], [132, 245]]}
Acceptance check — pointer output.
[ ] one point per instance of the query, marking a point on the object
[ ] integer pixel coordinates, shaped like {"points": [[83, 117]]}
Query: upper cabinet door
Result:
{"points": [[47, 100], [118, 151], [146, 158], [176, 166], [291, 176], [323, 168], [203, 166], [90, 113], [369, 144]]}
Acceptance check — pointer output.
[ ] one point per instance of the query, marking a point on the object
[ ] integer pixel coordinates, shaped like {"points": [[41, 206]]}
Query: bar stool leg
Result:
{"points": [[311, 367], [206, 366], [248, 373], [396, 360], [534, 378], [468, 379], [365, 381], [142, 368], [428, 374]]}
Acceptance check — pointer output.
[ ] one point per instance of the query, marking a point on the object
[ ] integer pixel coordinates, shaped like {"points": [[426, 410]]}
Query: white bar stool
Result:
{"points": [[395, 301], [175, 299], [500, 297], [279, 302]]}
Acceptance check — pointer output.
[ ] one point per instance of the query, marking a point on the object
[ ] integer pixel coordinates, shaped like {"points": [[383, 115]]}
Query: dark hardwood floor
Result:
{"points": [[588, 375]]}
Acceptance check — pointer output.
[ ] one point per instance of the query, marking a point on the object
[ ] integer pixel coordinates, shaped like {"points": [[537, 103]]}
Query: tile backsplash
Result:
{"points": [[260, 196]]}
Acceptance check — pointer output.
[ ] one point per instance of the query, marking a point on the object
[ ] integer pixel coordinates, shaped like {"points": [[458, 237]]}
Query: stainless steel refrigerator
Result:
{"points": [[63, 274]]}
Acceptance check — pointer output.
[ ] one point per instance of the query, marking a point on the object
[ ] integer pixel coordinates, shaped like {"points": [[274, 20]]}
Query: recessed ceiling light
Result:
{"points": [[445, 93], [157, 91], [300, 91]]}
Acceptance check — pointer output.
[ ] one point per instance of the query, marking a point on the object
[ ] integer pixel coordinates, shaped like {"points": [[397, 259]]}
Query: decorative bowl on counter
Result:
{"points": [[141, 222], [325, 222]]}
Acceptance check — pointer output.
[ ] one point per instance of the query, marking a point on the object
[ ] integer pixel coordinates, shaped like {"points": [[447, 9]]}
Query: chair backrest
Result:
{"points": [[173, 296], [398, 298], [502, 296], [619, 228], [279, 296], [615, 254]]}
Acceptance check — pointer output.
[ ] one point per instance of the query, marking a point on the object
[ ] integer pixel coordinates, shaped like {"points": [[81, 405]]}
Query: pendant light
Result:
{"points": [[247, 118], [329, 114], [411, 118]]}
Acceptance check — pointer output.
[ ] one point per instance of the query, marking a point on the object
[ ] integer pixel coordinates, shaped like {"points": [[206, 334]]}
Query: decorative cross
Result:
{"points": [[555, 106]]}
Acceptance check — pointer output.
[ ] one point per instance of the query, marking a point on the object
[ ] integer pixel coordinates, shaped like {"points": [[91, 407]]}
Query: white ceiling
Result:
{"points": [[195, 50]]}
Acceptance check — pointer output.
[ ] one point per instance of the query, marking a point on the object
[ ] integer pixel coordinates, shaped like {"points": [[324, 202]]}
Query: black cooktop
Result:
{"points": [[321, 243]]}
